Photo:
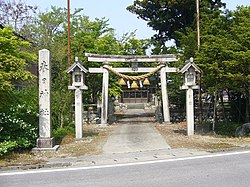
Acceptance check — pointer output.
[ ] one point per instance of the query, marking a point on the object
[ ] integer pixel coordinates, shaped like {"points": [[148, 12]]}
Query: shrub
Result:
{"points": [[226, 128], [60, 133], [18, 124], [7, 146]]}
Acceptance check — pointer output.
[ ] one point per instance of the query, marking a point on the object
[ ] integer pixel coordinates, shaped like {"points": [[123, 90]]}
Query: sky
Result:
{"points": [[115, 10]]}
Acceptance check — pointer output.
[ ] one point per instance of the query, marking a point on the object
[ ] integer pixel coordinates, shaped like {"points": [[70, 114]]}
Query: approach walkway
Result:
{"points": [[135, 132]]}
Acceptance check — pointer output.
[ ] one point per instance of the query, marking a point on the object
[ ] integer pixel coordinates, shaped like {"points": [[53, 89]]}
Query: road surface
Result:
{"points": [[231, 169]]}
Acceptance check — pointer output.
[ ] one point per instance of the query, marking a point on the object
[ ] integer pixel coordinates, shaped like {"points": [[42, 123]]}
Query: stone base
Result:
{"points": [[55, 148], [45, 142], [79, 139], [166, 123], [103, 124]]}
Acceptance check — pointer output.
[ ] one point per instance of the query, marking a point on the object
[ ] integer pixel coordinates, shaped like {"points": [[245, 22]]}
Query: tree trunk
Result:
{"points": [[200, 108], [214, 110], [247, 105], [239, 108], [223, 106], [61, 120]]}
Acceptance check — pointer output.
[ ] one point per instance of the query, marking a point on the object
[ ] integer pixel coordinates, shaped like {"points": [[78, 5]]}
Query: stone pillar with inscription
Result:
{"points": [[78, 113], [45, 141], [190, 111]]}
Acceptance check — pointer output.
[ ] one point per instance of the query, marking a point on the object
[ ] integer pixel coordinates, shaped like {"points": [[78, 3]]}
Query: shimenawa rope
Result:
{"points": [[133, 78]]}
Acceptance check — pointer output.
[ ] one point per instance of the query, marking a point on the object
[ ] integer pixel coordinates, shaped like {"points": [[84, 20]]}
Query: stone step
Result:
{"points": [[135, 105]]}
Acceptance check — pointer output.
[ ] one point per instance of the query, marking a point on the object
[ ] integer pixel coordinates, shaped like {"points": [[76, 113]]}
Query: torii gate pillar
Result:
{"points": [[165, 102], [105, 88]]}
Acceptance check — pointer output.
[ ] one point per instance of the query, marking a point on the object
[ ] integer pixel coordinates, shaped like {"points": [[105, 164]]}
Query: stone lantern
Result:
{"points": [[78, 72], [190, 77], [190, 72]]}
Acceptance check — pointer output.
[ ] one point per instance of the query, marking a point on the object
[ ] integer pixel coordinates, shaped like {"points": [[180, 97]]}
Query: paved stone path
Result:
{"points": [[135, 133]]}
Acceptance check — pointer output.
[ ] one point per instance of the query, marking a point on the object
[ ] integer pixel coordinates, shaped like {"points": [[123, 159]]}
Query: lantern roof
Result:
{"points": [[75, 66], [189, 64]]}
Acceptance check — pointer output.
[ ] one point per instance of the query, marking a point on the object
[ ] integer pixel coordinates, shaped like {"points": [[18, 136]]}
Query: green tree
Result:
{"points": [[167, 17], [224, 55], [238, 66], [18, 117], [13, 60]]}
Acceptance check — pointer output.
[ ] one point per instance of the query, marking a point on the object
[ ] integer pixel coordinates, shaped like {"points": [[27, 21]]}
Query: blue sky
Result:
{"points": [[115, 10]]}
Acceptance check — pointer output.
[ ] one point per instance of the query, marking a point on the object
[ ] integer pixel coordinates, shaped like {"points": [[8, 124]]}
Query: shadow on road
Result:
{"points": [[136, 116]]}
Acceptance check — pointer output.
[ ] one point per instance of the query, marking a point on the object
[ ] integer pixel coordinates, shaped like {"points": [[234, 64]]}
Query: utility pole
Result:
{"points": [[68, 32], [198, 23], [198, 46]]}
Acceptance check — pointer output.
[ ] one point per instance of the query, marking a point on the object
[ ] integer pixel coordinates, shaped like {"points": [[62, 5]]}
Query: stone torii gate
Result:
{"points": [[163, 60]]}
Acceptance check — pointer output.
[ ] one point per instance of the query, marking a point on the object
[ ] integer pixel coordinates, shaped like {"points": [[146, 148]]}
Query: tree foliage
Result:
{"points": [[224, 51], [224, 55], [18, 116], [168, 17], [13, 59]]}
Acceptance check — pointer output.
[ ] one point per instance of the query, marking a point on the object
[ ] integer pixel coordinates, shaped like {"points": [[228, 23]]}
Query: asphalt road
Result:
{"points": [[216, 170]]}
